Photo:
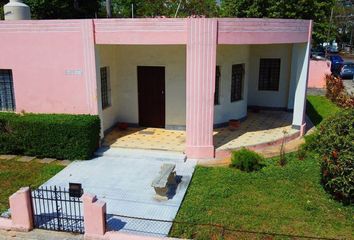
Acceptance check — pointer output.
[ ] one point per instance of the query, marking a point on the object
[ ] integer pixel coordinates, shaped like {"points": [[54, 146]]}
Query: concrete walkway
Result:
{"points": [[122, 178]]}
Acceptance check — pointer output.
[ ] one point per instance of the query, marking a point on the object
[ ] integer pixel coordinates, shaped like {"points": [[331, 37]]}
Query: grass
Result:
{"points": [[14, 175], [284, 200], [319, 107], [274, 203]]}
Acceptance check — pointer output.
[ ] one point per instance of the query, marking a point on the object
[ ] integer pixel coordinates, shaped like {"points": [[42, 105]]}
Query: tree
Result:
{"points": [[207, 8], [2, 3], [168, 8], [244, 8], [63, 9], [343, 21], [317, 10]]}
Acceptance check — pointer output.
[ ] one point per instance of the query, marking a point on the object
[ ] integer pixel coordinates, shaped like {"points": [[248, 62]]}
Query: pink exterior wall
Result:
{"points": [[54, 66], [175, 31], [43, 56], [262, 31], [317, 73], [141, 31]]}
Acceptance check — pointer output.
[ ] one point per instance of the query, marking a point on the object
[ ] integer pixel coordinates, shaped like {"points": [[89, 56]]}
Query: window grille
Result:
{"points": [[7, 98]]}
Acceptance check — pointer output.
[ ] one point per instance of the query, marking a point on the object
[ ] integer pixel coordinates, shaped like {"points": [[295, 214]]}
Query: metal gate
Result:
{"points": [[54, 209]]}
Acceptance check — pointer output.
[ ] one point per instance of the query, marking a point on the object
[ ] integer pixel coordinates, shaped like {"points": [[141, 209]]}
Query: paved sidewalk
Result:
{"points": [[37, 234], [122, 178]]}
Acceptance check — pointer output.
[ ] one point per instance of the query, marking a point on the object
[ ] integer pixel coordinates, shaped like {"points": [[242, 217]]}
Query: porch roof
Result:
{"points": [[175, 30], [164, 31]]}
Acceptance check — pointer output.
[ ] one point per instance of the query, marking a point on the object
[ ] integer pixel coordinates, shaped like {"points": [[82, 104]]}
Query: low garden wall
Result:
{"points": [[59, 136], [94, 218], [317, 73]]}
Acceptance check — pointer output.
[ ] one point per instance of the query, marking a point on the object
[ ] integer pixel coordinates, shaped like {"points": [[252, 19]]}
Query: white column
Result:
{"points": [[98, 88], [294, 76], [303, 53]]}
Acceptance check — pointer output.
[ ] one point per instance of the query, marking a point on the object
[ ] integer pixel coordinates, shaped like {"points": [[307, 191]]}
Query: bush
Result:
{"points": [[58, 136], [246, 160], [335, 91], [334, 142]]}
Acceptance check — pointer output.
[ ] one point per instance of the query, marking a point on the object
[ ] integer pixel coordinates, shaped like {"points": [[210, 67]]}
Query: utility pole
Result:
{"points": [[330, 25], [109, 8], [179, 5], [132, 10]]}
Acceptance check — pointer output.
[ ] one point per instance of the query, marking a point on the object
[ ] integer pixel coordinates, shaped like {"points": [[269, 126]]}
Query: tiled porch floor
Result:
{"points": [[147, 138], [258, 128]]}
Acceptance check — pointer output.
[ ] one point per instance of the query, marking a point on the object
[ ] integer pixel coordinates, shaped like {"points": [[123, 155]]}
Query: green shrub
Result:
{"points": [[60, 136], [334, 142], [246, 160], [336, 92]]}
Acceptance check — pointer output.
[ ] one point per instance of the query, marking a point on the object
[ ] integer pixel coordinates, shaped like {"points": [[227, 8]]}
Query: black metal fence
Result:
{"points": [[191, 230], [54, 209]]}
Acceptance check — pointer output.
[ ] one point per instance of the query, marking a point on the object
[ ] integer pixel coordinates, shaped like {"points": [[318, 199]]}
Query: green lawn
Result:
{"points": [[283, 200], [319, 107], [14, 175]]}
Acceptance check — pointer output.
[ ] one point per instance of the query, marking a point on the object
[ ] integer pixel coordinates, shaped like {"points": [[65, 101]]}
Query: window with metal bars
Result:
{"points": [[269, 71], [105, 87], [7, 98], [237, 82], [217, 85]]}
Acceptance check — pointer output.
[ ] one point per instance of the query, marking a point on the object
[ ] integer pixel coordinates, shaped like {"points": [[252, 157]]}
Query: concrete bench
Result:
{"points": [[167, 176]]}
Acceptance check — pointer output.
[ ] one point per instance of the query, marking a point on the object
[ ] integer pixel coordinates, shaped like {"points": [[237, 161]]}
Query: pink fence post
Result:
{"points": [[21, 209], [94, 216]]}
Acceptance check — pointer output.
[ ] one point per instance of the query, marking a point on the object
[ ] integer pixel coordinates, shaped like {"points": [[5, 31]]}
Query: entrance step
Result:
{"points": [[141, 154]]}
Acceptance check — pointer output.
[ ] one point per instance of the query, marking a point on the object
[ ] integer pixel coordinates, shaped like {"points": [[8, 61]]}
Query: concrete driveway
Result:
{"points": [[122, 178]]}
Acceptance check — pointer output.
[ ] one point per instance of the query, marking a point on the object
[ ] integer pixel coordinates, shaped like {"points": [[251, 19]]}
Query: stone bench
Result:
{"points": [[166, 177]]}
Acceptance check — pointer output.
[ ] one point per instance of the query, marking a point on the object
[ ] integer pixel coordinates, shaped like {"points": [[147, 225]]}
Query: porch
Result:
{"points": [[263, 127], [196, 86]]}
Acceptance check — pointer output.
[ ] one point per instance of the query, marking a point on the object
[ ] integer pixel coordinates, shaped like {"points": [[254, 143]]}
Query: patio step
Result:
{"points": [[141, 154]]}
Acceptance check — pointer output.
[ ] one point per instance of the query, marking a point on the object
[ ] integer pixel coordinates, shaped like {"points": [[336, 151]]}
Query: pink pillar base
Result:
{"points": [[21, 210], [200, 152], [94, 216], [303, 129]]}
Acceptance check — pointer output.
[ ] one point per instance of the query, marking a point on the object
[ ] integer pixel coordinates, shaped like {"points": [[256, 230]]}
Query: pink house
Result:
{"points": [[191, 73]]}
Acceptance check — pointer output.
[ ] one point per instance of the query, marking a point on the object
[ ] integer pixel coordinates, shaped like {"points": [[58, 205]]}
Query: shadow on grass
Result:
{"points": [[315, 117]]}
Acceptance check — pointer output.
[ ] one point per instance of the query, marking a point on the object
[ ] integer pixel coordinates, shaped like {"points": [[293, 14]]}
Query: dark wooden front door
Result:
{"points": [[151, 93]]}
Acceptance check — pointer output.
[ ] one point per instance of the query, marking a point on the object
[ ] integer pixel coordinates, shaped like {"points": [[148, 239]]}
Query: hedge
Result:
{"points": [[59, 136], [333, 140]]}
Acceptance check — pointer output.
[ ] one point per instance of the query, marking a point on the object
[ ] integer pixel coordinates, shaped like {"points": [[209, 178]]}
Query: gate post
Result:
{"points": [[21, 209], [94, 216]]}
